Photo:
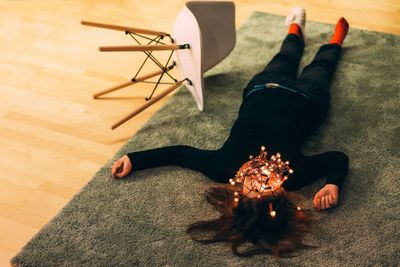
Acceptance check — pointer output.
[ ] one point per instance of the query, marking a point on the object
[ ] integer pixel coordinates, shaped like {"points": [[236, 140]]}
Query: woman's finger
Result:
{"points": [[330, 198], [333, 200], [116, 169], [124, 172], [327, 205], [323, 203], [118, 175], [319, 204], [113, 169]]}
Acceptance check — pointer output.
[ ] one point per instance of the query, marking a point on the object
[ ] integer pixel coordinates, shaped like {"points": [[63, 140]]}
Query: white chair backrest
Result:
{"points": [[216, 20], [209, 28]]}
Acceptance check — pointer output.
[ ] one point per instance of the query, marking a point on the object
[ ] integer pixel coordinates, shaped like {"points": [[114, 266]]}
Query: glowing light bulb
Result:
{"points": [[236, 194], [236, 199], [272, 213], [298, 208]]}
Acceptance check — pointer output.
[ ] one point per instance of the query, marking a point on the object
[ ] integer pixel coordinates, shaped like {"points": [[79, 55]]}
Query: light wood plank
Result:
{"points": [[5, 255], [15, 242]]}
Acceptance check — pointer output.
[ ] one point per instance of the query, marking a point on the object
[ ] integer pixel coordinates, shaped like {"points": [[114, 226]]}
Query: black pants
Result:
{"points": [[314, 81]]}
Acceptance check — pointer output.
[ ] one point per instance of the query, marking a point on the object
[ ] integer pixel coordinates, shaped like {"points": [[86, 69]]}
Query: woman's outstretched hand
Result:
{"points": [[121, 167], [327, 197]]}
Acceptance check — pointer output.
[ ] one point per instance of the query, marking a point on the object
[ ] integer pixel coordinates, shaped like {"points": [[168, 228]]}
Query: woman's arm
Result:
{"points": [[170, 155], [332, 165], [208, 162]]}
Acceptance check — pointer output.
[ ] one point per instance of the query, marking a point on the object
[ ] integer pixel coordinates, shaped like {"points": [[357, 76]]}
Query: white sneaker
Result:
{"points": [[298, 16]]}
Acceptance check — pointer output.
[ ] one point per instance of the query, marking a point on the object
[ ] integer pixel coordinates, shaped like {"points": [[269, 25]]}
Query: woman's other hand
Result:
{"points": [[327, 197], [121, 167]]}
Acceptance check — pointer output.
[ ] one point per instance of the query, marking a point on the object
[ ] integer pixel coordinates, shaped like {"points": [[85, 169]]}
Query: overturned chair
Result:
{"points": [[203, 35]]}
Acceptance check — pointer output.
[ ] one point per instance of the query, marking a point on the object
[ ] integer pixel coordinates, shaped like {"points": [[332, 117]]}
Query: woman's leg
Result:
{"points": [[286, 62], [316, 77]]}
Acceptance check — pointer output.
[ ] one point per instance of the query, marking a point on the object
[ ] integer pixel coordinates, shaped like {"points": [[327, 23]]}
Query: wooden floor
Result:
{"points": [[53, 135]]}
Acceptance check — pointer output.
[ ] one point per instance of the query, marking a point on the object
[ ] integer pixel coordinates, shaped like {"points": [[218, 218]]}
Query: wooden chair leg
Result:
{"points": [[147, 104], [137, 79], [112, 89], [130, 48], [123, 28]]}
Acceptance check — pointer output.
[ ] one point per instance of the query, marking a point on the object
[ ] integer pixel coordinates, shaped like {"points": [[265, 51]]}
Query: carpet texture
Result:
{"points": [[142, 220]]}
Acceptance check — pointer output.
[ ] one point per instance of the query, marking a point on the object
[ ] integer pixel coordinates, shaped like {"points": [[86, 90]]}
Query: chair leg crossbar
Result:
{"points": [[154, 44]]}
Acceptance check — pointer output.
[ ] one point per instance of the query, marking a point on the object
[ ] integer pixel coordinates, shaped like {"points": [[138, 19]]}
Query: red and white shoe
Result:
{"points": [[298, 16]]}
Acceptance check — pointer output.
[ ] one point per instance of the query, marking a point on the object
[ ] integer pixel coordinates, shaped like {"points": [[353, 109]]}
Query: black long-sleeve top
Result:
{"points": [[277, 119]]}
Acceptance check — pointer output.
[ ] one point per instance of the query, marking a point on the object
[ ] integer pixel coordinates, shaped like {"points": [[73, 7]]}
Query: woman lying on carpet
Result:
{"points": [[279, 111]]}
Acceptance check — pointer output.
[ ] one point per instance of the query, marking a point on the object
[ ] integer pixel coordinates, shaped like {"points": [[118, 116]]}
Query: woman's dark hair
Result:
{"points": [[249, 223]]}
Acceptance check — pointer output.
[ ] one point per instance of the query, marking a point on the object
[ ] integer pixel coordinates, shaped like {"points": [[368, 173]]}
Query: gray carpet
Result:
{"points": [[142, 220]]}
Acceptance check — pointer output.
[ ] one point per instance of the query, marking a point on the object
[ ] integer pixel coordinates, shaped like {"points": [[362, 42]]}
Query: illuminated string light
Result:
{"points": [[262, 176], [272, 212]]}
